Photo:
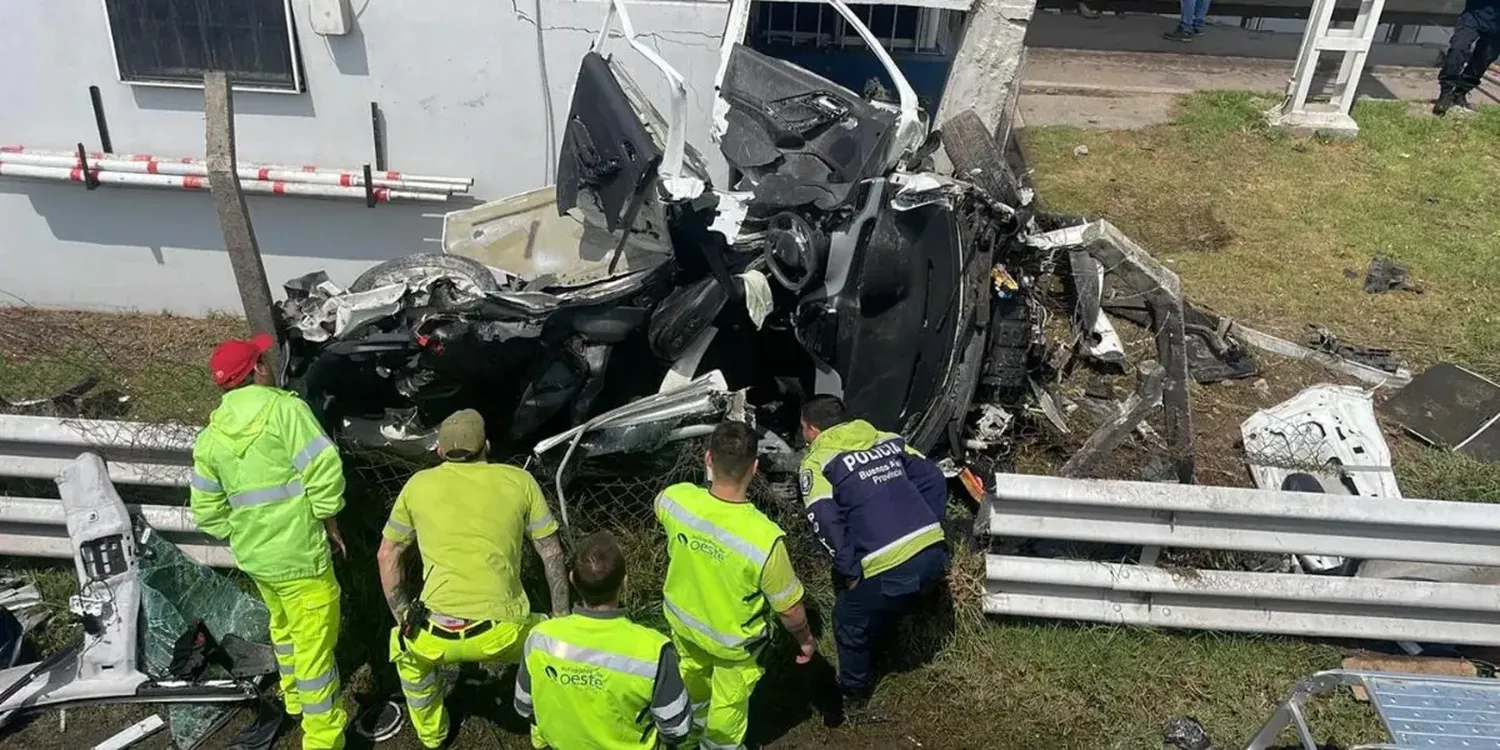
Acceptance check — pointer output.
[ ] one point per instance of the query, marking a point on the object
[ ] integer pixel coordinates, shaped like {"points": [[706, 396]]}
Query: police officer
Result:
{"points": [[728, 570], [469, 518], [1474, 47], [266, 478], [874, 502], [591, 679]]}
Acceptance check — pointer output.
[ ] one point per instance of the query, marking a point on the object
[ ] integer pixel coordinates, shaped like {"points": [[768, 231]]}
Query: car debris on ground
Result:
{"points": [[1385, 275], [1452, 407], [1323, 340], [133, 733]]}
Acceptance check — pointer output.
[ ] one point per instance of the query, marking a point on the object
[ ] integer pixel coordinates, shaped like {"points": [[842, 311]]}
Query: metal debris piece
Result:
{"points": [[1327, 433], [1214, 353], [1453, 407], [990, 427], [1385, 275], [23, 600], [1092, 331], [1107, 438], [1186, 733], [73, 401], [1283, 348], [133, 733], [1323, 340], [1046, 403]]}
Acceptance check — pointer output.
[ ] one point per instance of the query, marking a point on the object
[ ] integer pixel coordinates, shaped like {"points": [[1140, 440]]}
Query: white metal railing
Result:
{"points": [[1220, 518], [136, 453], [158, 455], [1353, 44]]}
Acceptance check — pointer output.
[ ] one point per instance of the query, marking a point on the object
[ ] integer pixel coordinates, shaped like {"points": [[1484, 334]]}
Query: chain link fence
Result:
{"points": [[153, 369]]}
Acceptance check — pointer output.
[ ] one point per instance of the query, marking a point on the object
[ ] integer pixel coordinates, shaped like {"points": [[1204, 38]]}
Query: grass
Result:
{"points": [[1259, 226], [160, 361], [1263, 226]]}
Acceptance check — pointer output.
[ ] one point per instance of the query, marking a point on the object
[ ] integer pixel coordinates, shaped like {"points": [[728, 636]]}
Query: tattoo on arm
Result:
{"points": [[389, 559], [551, 551]]}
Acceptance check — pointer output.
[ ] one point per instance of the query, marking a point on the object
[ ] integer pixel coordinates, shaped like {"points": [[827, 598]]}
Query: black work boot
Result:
{"points": [[1445, 102], [1179, 34], [1461, 101], [857, 711]]}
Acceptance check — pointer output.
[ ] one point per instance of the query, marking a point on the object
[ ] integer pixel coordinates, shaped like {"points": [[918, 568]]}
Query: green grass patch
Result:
{"points": [[159, 361], [1265, 227]]}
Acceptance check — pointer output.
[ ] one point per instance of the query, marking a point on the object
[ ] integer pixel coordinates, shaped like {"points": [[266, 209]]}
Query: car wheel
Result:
{"points": [[422, 265]]}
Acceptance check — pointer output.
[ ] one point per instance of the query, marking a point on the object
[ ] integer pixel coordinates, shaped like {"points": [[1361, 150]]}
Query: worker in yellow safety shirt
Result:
{"points": [[594, 679], [728, 570], [468, 517], [266, 478]]}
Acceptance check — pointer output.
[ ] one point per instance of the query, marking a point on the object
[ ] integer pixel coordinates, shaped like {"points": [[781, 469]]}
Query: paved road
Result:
{"points": [[1118, 90]]}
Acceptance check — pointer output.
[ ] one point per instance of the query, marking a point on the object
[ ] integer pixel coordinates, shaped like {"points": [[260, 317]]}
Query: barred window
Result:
{"points": [[177, 41], [900, 28]]}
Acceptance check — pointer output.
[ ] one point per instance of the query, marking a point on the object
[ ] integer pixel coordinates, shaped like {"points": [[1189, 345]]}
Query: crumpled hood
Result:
{"points": [[242, 416], [852, 435]]}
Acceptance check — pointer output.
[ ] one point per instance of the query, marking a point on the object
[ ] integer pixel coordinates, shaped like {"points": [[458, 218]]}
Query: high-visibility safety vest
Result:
{"points": [[717, 553], [592, 680], [265, 477]]}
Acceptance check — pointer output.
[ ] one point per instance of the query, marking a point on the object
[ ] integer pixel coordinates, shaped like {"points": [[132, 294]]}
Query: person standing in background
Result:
{"points": [[1190, 26], [1475, 46]]}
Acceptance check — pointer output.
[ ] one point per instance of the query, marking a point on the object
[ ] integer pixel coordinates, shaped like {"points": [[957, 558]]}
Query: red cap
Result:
{"points": [[234, 360]]}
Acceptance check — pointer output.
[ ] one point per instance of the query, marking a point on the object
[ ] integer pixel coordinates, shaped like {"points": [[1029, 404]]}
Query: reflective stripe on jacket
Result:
{"points": [[265, 477], [599, 682], [872, 500], [717, 552]]}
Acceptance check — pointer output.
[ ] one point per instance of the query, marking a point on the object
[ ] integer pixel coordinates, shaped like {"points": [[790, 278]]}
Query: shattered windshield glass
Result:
{"points": [[175, 590]]}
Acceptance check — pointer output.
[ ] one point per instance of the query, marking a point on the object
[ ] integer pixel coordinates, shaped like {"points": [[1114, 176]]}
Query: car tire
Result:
{"points": [[421, 265]]}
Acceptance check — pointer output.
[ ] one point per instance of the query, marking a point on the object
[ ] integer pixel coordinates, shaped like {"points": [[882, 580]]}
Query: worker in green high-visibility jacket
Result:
{"points": [[266, 478], [594, 679], [728, 574]]}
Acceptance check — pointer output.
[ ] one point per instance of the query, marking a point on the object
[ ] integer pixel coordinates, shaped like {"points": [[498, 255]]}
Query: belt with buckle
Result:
{"points": [[469, 631]]}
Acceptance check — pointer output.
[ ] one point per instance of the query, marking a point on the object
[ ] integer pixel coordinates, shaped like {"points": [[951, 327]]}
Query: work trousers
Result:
{"points": [[421, 663], [719, 693], [1474, 47], [304, 631], [1193, 13], [864, 613]]}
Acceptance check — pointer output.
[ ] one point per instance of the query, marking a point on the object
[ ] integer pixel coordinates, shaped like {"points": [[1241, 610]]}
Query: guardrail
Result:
{"points": [[158, 455], [1221, 518], [136, 453]]}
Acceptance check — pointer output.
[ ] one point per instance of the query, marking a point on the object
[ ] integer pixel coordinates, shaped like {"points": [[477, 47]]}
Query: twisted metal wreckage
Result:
{"points": [[635, 304]]}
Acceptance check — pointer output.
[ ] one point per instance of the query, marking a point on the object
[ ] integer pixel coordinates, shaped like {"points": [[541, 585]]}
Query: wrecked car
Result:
{"points": [[634, 303]]}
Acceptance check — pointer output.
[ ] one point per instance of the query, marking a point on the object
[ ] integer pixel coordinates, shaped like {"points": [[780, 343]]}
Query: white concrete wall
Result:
{"points": [[468, 88]]}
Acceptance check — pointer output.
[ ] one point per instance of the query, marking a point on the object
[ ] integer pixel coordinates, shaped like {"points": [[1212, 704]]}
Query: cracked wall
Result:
{"points": [[468, 89]]}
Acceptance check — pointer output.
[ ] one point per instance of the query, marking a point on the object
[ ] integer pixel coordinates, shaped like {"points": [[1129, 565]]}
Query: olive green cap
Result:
{"points": [[461, 435]]}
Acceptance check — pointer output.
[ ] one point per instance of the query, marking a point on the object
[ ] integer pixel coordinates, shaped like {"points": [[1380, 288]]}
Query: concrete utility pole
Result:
{"points": [[234, 216], [987, 69]]}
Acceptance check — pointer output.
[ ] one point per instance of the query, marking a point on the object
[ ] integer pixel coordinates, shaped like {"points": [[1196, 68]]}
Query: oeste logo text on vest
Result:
{"points": [[582, 677], [703, 546]]}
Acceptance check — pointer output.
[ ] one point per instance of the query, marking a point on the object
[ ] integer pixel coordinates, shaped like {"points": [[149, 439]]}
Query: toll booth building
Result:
{"points": [[103, 187]]}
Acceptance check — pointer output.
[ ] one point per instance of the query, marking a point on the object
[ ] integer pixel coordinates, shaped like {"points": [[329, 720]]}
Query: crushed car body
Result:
{"points": [[837, 262]]}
